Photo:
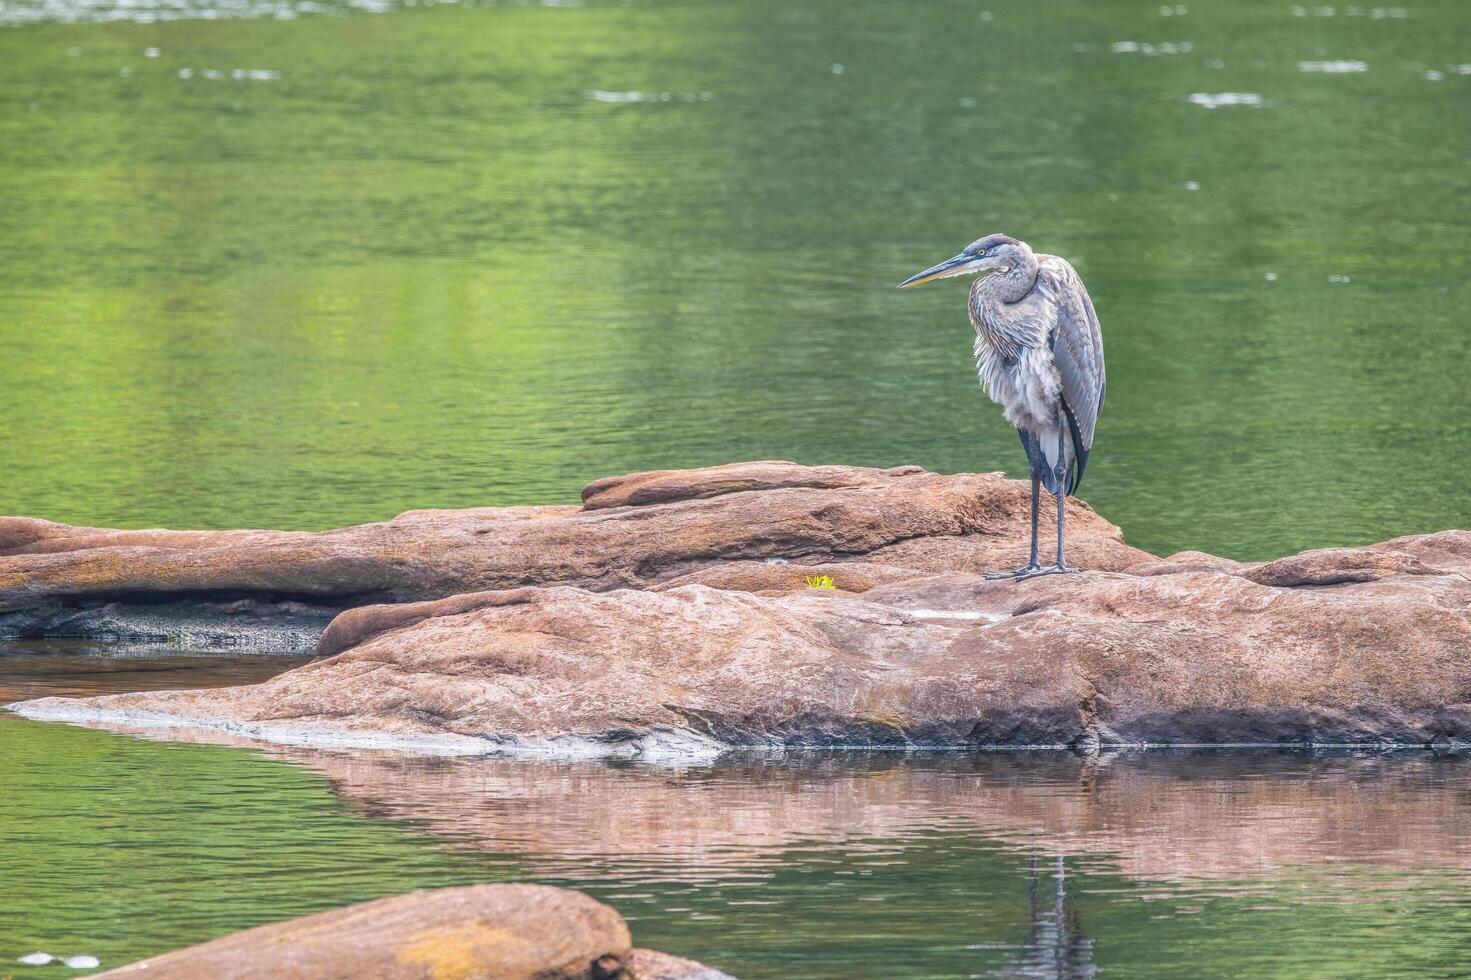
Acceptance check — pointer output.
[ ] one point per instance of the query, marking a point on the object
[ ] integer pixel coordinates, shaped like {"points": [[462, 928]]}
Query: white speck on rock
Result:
{"points": [[957, 614]]}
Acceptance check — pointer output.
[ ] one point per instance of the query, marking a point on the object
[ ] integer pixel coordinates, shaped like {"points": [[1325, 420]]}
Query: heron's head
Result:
{"points": [[983, 255]]}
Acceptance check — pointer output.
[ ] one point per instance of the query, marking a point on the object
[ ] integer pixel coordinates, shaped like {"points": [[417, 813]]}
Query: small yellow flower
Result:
{"points": [[820, 582]]}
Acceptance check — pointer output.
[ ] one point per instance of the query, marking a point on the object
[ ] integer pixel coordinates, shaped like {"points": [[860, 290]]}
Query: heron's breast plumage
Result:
{"points": [[1013, 359]]}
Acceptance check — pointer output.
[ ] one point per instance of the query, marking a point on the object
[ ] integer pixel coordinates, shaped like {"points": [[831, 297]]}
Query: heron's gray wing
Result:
{"points": [[1077, 352]]}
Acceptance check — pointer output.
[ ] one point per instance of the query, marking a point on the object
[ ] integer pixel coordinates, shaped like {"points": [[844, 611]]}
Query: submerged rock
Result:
{"points": [[636, 532], [493, 932]]}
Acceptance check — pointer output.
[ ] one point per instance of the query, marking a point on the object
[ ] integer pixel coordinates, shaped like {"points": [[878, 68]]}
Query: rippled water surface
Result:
{"points": [[290, 263], [1035, 864], [301, 263]]}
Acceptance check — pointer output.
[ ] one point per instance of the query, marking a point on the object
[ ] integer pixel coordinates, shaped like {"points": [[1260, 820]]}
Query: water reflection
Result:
{"points": [[1196, 816], [1033, 864], [1056, 946], [74, 668], [1160, 816], [1021, 865], [1212, 819]]}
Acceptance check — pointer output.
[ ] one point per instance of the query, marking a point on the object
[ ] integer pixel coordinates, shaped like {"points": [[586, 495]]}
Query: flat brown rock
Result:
{"points": [[1192, 655], [489, 932], [648, 964], [1337, 566], [667, 486], [634, 532]]}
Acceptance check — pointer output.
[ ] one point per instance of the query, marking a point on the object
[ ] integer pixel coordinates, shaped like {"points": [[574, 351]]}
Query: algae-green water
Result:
{"points": [[290, 264], [1028, 865], [294, 269]]}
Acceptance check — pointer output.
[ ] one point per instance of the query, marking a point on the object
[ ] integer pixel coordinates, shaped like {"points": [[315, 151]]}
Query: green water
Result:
{"points": [[421, 262], [446, 254], [1041, 865]]}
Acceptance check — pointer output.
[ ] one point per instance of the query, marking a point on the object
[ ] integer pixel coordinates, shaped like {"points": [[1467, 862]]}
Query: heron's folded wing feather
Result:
{"points": [[1077, 346], [1077, 353]]}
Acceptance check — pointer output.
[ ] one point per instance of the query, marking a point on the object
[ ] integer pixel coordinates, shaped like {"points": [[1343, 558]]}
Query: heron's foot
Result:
{"points": [[1061, 568], [1026, 571]]}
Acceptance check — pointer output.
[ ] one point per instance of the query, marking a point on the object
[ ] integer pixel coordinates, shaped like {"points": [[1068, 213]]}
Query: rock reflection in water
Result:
{"points": [[1197, 816], [1031, 864], [1160, 815]]}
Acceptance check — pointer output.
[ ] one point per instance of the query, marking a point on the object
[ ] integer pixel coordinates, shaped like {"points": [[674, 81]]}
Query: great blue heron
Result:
{"points": [[1039, 352]]}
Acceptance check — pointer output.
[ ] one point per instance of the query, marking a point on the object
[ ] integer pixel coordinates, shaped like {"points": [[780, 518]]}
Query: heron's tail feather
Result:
{"points": [[1049, 480], [1041, 452], [1079, 462], [1037, 460], [1069, 479]]}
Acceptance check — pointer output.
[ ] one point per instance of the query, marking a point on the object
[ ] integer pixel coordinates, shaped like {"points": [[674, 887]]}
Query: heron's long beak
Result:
{"points": [[957, 266]]}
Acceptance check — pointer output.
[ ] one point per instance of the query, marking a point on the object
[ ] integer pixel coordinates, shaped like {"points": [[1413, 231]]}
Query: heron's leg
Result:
{"points": [[1032, 566], [1060, 473], [1061, 510], [1036, 500]]}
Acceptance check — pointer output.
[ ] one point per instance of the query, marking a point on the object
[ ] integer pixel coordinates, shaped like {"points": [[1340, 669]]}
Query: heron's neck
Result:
{"points": [[1010, 286]]}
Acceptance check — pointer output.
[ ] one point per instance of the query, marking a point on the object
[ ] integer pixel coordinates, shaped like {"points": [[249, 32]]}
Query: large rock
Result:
{"points": [[1181, 654], [633, 532], [672, 613], [481, 932]]}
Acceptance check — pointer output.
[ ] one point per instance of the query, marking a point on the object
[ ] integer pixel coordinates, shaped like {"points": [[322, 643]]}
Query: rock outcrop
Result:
{"points": [[661, 620], [490, 932], [942, 661], [637, 532]]}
